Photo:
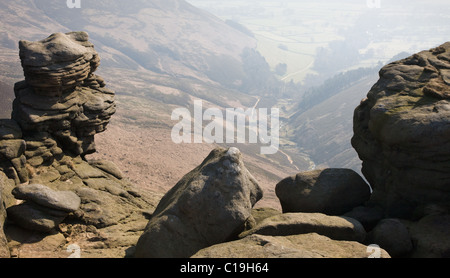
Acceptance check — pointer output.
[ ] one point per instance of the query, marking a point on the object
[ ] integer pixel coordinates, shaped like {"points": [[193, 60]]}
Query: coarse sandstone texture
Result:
{"points": [[334, 227], [48, 186], [61, 98], [402, 134], [310, 245], [209, 205]]}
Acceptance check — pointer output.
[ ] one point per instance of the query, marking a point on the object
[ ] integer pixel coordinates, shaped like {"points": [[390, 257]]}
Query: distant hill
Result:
{"points": [[323, 126], [160, 39], [156, 55]]}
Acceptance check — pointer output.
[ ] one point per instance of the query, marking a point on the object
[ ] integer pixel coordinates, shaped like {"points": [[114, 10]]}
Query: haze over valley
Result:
{"points": [[314, 61]]}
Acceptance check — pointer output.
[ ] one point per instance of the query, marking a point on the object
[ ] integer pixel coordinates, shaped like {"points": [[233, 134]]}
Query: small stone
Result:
{"points": [[109, 167]]}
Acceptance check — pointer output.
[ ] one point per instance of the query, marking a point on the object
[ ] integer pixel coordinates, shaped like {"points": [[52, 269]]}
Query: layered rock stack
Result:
{"points": [[44, 209], [46, 182], [402, 135], [60, 105]]}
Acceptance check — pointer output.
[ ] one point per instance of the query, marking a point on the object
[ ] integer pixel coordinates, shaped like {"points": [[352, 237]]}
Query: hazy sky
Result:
{"points": [[377, 29]]}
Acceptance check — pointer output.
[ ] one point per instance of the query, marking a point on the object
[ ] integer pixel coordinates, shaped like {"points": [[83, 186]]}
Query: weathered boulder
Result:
{"points": [[44, 208], [402, 131], [309, 245], [207, 206], [99, 208], [42, 195], [10, 149], [393, 236], [328, 191], [6, 187], [111, 217], [334, 227], [259, 214]]}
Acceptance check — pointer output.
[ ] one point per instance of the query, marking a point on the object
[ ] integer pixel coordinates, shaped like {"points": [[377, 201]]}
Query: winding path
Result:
{"points": [[289, 158]]}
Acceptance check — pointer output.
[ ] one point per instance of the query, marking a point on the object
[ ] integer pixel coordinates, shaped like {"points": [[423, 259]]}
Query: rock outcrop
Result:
{"points": [[49, 185], [59, 107], [329, 191], [61, 104], [402, 134], [209, 205]]}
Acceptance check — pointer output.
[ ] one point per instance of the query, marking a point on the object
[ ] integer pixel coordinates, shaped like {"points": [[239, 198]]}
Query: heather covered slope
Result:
{"points": [[156, 56]]}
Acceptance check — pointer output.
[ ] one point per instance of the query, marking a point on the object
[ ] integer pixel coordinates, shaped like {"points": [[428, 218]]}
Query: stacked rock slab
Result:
{"points": [[58, 109], [61, 104], [402, 134], [44, 209]]}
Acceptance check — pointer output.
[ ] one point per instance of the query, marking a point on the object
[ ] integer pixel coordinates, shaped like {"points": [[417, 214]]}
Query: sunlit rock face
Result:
{"points": [[402, 134], [61, 103], [209, 205]]}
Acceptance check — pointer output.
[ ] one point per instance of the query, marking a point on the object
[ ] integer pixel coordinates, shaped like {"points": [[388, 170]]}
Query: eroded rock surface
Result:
{"points": [[402, 134], [61, 96], [209, 205], [50, 187], [311, 245]]}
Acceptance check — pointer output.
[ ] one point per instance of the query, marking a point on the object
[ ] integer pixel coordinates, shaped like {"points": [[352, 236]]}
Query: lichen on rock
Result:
{"points": [[402, 131]]}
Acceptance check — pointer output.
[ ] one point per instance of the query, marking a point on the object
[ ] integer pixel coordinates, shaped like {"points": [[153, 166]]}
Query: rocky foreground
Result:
{"points": [[54, 203]]}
